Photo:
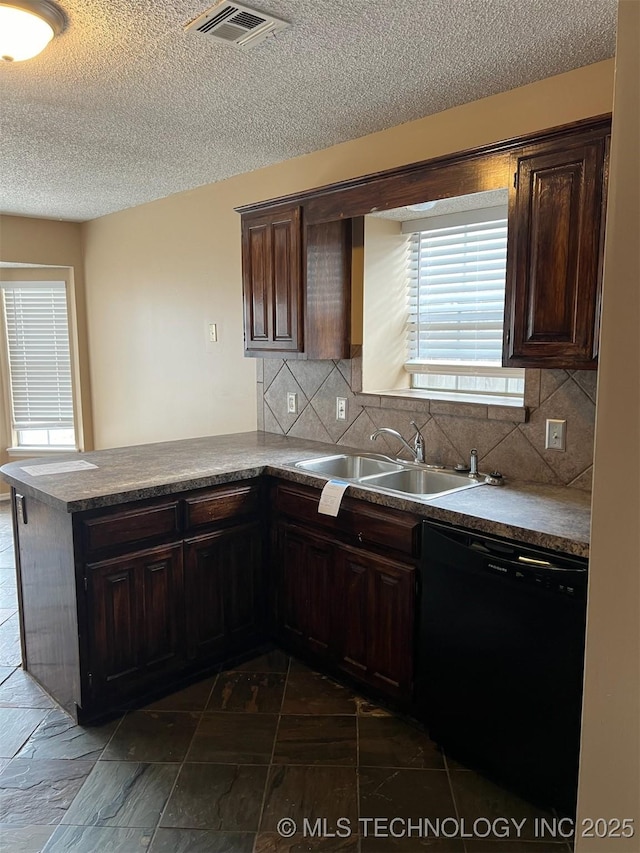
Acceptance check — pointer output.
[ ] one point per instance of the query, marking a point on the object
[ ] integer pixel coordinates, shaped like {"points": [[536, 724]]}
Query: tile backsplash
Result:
{"points": [[512, 447]]}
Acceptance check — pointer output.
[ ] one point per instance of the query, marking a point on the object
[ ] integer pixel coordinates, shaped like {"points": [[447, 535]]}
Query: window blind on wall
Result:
{"points": [[38, 348], [456, 291]]}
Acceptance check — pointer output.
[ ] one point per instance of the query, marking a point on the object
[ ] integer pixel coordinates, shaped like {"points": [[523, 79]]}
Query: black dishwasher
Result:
{"points": [[500, 659]]}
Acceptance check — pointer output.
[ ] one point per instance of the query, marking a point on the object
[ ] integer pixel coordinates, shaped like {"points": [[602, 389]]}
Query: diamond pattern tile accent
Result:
{"points": [[583, 481], [579, 411], [271, 368], [466, 433], [516, 459], [270, 421], [276, 397], [532, 387], [346, 369], [550, 381], [310, 426], [324, 402], [516, 449], [587, 380], [359, 433], [439, 448], [310, 374]]}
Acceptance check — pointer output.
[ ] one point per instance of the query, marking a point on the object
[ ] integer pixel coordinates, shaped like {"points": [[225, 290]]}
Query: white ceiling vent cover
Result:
{"points": [[237, 24]]}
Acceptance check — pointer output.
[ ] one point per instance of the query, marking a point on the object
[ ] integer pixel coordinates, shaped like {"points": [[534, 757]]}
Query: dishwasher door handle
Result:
{"points": [[510, 555], [546, 566]]}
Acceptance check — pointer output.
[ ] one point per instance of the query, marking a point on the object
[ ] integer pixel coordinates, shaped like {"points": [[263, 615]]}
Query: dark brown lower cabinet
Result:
{"points": [[224, 590], [305, 589], [374, 631], [121, 603], [136, 624], [352, 597], [171, 608], [347, 607]]}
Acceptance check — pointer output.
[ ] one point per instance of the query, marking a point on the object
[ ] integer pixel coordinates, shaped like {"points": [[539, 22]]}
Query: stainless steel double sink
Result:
{"points": [[389, 475]]}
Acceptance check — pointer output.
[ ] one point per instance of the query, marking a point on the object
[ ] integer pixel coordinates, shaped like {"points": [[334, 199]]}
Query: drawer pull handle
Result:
{"points": [[21, 508], [360, 537]]}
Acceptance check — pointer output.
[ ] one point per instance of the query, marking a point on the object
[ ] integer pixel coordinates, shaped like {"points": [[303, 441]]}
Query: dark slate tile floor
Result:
{"points": [[216, 766]]}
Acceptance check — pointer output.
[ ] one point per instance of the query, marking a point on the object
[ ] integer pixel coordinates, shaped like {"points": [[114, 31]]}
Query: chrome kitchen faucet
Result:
{"points": [[417, 450]]}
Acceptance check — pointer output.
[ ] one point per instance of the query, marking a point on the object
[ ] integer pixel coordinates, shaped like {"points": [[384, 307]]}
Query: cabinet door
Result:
{"points": [[352, 627], [328, 254], [553, 256], [223, 590], [392, 597], [305, 572], [204, 595], [374, 625], [135, 610], [272, 281]]}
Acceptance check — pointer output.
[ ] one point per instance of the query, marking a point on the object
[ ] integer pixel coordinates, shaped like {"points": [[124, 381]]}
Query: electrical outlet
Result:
{"points": [[292, 403], [213, 333], [556, 434], [341, 408]]}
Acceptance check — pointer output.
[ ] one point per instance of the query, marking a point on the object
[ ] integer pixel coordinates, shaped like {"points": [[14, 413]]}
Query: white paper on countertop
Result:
{"points": [[57, 467], [331, 497]]}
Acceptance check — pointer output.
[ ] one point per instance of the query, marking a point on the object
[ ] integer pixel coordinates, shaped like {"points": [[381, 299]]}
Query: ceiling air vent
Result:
{"points": [[236, 24]]}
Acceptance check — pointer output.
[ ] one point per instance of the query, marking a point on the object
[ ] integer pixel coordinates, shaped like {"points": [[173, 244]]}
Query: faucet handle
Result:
{"points": [[418, 443], [417, 429]]}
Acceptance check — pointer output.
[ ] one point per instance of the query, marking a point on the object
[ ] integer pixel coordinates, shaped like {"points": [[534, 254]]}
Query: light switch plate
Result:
{"points": [[556, 435], [292, 403]]}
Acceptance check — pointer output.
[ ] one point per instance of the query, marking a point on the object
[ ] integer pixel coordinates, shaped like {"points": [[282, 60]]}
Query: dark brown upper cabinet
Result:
{"points": [[297, 250], [271, 265], [296, 282], [554, 254]]}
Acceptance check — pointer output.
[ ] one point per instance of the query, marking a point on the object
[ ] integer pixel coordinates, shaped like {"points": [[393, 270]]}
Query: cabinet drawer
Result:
{"points": [[223, 503], [130, 526], [358, 521]]}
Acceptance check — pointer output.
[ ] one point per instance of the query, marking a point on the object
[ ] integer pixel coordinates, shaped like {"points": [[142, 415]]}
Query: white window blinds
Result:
{"points": [[38, 349], [456, 290]]}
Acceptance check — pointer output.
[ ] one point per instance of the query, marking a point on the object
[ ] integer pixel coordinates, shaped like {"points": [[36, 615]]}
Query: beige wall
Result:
{"points": [[156, 274], [53, 244], [385, 305], [610, 763]]}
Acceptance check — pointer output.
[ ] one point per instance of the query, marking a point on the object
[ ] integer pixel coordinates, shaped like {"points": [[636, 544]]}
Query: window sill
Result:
{"points": [[415, 400], [39, 451]]}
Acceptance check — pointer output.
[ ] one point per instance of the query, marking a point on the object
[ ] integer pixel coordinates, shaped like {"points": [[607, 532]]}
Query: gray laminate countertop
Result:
{"points": [[553, 517]]}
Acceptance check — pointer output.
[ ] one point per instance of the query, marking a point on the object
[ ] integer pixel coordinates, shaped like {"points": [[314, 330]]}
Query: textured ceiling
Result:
{"points": [[125, 107]]}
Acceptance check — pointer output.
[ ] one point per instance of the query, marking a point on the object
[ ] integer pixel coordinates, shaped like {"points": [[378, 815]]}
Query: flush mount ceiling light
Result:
{"points": [[27, 27]]}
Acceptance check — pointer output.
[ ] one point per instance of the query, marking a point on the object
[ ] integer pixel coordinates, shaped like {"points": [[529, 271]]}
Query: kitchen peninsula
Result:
{"points": [[162, 561]]}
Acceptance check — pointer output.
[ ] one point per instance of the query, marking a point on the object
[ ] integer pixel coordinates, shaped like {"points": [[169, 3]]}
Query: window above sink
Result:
{"points": [[434, 292]]}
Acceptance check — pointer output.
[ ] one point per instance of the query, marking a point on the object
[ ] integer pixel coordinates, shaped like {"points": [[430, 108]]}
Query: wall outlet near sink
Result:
{"points": [[341, 408], [292, 403], [556, 435]]}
